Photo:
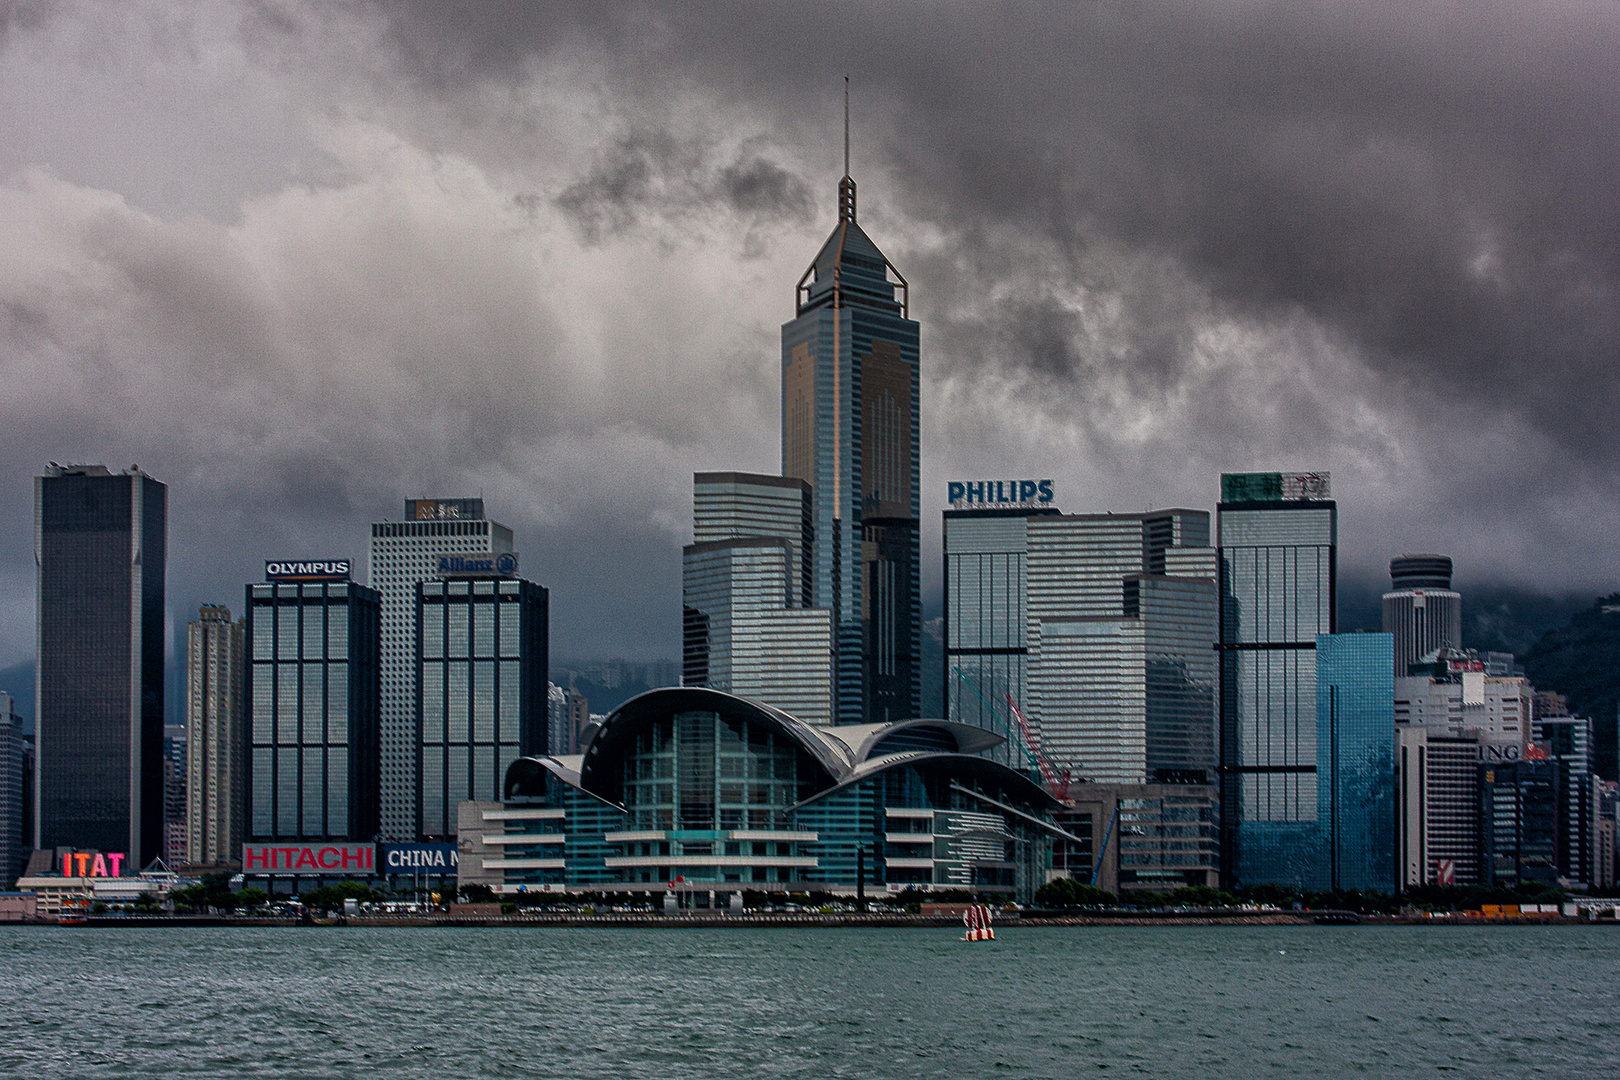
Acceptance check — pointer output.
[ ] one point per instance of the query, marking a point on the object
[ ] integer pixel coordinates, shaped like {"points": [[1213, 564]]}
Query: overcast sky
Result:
{"points": [[303, 261]]}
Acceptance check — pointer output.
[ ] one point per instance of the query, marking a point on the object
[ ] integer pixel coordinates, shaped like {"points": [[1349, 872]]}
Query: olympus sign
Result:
{"points": [[320, 570]]}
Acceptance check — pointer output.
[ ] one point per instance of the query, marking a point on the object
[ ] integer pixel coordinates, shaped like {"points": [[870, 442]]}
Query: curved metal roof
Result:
{"points": [[969, 765], [845, 754], [621, 725]]}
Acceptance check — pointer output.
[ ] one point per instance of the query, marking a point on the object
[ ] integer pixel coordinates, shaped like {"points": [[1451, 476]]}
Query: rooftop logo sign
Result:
{"points": [[444, 509], [477, 565], [979, 494], [1275, 487], [323, 570]]}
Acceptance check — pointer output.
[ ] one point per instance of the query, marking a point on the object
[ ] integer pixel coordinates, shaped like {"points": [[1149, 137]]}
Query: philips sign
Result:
{"points": [[503, 565], [962, 494], [417, 858], [325, 570]]}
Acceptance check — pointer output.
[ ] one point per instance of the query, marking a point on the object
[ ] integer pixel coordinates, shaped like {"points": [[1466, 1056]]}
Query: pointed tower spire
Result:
{"points": [[846, 186]]}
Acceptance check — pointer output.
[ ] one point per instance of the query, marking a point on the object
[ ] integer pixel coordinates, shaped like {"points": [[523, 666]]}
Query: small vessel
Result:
{"points": [[74, 912], [977, 920]]}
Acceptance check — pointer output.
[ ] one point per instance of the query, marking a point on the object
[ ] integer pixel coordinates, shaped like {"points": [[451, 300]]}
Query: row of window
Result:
{"points": [[300, 791]]}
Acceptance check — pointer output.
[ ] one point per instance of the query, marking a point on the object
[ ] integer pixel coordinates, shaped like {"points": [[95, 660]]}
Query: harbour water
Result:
{"points": [[835, 1002]]}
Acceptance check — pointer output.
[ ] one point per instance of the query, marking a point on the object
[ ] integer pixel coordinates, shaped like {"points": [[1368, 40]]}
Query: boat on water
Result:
{"points": [[74, 912], [977, 920]]}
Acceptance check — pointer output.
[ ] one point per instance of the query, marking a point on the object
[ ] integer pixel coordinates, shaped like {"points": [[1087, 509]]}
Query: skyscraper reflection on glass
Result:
{"points": [[1355, 761], [1278, 536]]}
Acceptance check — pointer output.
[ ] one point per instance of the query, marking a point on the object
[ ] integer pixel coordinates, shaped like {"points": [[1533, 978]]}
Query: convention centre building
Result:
{"points": [[694, 789]]}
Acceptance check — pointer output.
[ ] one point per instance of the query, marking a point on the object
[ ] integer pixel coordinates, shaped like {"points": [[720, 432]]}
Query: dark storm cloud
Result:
{"points": [[1436, 182], [652, 172], [305, 260]]}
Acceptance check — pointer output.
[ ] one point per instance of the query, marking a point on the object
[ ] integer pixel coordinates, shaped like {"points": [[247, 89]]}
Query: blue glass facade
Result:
{"points": [[1355, 761], [1278, 570], [850, 423]]}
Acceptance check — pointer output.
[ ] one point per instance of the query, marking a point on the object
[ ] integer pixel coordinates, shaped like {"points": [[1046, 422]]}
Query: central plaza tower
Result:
{"points": [[849, 429]]}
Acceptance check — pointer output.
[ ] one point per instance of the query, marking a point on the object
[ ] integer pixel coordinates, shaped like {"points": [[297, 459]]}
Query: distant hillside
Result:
{"points": [[1496, 618], [1581, 660]]}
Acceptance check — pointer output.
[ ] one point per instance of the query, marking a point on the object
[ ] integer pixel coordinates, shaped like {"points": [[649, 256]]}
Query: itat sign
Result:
{"points": [[979, 494], [90, 864]]}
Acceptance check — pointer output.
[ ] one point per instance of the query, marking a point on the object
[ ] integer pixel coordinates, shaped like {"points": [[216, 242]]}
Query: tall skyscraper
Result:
{"points": [[850, 426], [1278, 535], [216, 734], [1421, 610], [403, 554], [743, 584], [1099, 626], [100, 548], [483, 670], [312, 704]]}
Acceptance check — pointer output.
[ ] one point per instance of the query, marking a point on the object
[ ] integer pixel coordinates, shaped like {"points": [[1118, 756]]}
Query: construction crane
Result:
{"points": [[1056, 783]]}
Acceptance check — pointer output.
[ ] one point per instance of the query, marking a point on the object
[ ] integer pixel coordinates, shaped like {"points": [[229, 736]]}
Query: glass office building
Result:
{"points": [[744, 583], [100, 552], [313, 700], [736, 506], [1355, 762], [850, 396], [1100, 626], [986, 620], [403, 554], [1278, 545], [483, 672]]}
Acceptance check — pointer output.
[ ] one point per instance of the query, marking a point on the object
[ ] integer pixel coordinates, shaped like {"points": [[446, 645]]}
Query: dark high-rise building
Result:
{"points": [[313, 704], [483, 670], [850, 429], [1278, 563], [100, 548], [13, 767]]}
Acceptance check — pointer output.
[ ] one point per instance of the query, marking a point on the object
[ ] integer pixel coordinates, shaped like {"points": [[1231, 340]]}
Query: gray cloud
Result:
{"points": [[304, 261]]}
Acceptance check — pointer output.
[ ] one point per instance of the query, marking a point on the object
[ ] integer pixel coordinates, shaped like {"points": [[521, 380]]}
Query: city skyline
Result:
{"points": [[543, 261]]}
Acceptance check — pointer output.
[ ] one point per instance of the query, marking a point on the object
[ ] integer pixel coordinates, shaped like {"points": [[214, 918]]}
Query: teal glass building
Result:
{"points": [[1355, 761], [850, 430]]}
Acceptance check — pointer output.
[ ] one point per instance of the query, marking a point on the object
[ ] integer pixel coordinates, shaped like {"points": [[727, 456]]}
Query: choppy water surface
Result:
{"points": [[499, 1002]]}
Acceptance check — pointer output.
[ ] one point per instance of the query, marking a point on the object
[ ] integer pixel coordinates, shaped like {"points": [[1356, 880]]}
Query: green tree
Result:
{"points": [[1066, 893], [252, 898]]}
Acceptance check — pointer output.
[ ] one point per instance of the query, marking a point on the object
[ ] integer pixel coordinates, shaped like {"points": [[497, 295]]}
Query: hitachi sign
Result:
{"points": [[965, 493], [309, 860]]}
